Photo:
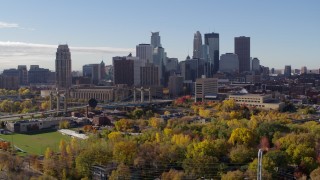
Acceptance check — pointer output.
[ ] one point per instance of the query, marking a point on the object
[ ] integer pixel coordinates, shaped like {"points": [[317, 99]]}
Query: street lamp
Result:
{"points": [[259, 169]]}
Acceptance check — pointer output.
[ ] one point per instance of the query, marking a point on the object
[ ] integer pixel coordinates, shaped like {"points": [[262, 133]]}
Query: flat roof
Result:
{"points": [[251, 95]]}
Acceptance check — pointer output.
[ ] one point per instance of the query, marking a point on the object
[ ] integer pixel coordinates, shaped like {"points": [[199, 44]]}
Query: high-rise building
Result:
{"points": [[103, 74], [197, 45], [304, 70], [171, 68], [9, 82], [205, 52], [175, 85], [123, 70], [255, 64], [92, 71], [206, 89], [145, 52], [191, 69], [63, 67], [159, 57], [149, 75], [229, 63], [39, 75], [155, 39], [127, 70], [287, 71], [242, 49], [11, 72], [212, 40], [23, 74]]}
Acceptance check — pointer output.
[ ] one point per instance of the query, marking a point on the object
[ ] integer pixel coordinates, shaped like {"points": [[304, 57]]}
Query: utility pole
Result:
{"points": [[259, 169]]}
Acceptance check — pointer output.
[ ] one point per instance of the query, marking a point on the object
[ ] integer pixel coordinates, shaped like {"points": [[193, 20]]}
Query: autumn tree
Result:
{"points": [[173, 175], [298, 146], [122, 172], [124, 125], [49, 165], [156, 122], [201, 159], [98, 152], [233, 175], [65, 124], [229, 105], [115, 136], [181, 139], [45, 105], [124, 152], [205, 113], [242, 136]]}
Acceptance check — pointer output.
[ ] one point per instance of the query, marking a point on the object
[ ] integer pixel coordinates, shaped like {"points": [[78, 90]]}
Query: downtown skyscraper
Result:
{"points": [[145, 52], [212, 41], [242, 49], [63, 67], [155, 39], [197, 45]]}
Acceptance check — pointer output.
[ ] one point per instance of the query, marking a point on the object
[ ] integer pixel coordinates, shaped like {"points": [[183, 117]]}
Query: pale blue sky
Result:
{"points": [[282, 32]]}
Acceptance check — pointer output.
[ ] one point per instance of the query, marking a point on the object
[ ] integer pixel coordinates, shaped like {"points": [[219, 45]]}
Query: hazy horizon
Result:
{"points": [[282, 33]]}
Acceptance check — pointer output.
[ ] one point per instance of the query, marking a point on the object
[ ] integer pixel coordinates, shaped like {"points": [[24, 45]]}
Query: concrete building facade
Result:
{"points": [[149, 75], [263, 101], [206, 89], [255, 64], [23, 74], [105, 94], [63, 67], [39, 75], [145, 52]]}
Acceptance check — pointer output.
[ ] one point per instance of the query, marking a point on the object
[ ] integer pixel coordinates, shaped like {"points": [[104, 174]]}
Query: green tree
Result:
{"points": [[242, 154], [280, 158], [269, 167], [137, 113]]}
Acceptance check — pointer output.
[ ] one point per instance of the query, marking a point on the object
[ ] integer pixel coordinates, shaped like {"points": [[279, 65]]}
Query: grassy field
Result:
{"points": [[36, 143]]}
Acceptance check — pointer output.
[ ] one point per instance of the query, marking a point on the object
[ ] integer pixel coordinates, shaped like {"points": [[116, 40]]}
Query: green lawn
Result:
{"points": [[36, 143]]}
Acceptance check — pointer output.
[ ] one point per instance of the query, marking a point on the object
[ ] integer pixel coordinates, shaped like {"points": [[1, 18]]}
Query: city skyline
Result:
{"points": [[279, 35]]}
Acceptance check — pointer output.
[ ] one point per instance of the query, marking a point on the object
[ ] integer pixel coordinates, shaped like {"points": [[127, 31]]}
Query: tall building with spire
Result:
{"points": [[242, 49], [63, 67], [212, 41], [155, 39], [197, 45]]}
